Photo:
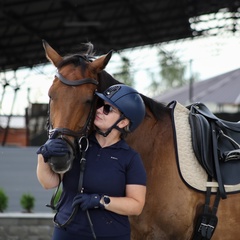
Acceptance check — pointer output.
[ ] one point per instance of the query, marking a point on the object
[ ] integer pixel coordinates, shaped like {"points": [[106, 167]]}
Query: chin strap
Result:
{"points": [[105, 134]]}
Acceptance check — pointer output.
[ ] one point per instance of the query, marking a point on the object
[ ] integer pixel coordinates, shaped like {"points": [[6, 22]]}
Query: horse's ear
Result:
{"points": [[51, 54], [100, 63]]}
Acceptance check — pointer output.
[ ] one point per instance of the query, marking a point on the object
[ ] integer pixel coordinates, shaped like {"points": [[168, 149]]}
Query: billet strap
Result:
{"points": [[216, 163], [207, 221]]}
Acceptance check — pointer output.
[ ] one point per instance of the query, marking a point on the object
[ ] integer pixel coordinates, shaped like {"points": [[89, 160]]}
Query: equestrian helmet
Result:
{"points": [[128, 101]]}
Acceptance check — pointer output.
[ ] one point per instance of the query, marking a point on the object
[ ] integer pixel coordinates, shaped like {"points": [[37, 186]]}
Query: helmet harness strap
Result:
{"points": [[105, 134]]}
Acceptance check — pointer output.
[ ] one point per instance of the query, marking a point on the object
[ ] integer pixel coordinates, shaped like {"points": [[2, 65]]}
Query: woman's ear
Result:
{"points": [[123, 123]]}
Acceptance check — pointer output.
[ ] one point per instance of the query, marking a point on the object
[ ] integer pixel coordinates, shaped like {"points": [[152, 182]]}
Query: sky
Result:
{"points": [[209, 56]]}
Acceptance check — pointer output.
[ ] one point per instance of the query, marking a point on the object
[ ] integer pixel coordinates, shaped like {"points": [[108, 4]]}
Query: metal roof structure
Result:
{"points": [[220, 90], [117, 25]]}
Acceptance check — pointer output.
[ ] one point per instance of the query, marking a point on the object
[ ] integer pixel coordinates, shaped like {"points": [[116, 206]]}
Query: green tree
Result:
{"points": [[27, 202], [125, 75], [3, 200], [173, 71]]}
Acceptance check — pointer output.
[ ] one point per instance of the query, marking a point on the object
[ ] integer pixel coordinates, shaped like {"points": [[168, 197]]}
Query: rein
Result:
{"points": [[83, 144]]}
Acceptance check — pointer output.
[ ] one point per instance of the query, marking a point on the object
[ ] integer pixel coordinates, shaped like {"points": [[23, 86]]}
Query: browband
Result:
{"points": [[75, 82]]}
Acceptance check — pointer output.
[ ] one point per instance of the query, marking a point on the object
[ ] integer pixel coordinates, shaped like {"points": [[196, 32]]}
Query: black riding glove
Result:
{"points": [[87, 201], [53, 147]]}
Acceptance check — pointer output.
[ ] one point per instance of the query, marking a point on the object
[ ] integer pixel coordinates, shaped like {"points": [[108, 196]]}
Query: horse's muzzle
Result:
{"points": [[62, 164]]}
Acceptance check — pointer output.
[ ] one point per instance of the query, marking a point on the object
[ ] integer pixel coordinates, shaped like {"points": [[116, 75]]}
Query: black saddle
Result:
{"points": [[216, 144]]}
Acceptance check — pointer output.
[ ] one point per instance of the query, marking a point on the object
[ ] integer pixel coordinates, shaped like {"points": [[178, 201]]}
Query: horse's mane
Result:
{"points": [[81, 58], [106, 80]]}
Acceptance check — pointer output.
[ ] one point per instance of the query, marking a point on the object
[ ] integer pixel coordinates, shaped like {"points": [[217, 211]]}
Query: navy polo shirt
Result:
{"points": [[108, 171]]}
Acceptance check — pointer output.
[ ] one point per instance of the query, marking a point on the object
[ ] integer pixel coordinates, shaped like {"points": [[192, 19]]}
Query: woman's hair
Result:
{"points": [[126, 131]]}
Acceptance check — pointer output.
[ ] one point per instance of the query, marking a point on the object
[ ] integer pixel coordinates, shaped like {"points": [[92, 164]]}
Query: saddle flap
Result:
{"points": [[202, 140]]}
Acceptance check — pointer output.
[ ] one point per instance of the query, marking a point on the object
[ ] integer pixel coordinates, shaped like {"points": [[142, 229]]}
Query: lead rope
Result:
{"points": [[80, 188], [82, 169]]}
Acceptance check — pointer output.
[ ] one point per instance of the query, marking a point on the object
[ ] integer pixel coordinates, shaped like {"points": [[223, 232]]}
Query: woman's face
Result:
{"points": [[106, 116]]}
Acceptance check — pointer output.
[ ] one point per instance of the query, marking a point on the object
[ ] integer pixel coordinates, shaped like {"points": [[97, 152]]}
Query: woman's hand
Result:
{"points": [[87, 201], [53, 147]]}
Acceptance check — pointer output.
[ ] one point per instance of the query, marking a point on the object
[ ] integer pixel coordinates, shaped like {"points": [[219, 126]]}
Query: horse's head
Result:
{"points": [[72, 99]]}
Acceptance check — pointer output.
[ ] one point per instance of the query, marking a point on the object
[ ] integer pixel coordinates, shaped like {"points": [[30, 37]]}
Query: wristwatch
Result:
{"points": [[105, 200]]}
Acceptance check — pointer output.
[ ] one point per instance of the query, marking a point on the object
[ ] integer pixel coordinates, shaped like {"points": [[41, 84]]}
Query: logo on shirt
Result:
{"points": [[114, 158]]}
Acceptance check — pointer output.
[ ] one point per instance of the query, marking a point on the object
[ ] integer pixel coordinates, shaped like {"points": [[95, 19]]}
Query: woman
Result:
{"points": [[114, 183]]}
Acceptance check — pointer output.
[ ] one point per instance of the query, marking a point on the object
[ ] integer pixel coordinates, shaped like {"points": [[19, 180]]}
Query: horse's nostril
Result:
{"points": [[61, 164]]}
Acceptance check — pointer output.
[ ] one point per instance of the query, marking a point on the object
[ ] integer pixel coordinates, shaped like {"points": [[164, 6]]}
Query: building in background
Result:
{"points": [[28, 130]]}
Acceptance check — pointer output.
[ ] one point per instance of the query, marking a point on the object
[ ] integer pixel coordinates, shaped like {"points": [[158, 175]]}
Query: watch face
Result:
{"points": [[106, 200]]}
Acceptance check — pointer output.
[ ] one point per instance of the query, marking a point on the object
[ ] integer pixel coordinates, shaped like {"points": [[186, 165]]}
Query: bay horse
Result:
{"points": [[172, 207]]}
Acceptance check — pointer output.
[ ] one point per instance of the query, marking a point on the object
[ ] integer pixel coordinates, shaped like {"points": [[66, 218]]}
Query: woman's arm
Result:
{"points": [[45, 175], [132, 204]]}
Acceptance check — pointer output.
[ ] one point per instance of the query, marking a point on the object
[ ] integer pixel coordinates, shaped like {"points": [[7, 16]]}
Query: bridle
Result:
{"points": [[65, 133], [86, 128], [83, 144]]}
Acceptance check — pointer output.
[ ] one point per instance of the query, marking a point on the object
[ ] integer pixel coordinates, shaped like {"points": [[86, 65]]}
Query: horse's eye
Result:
{"points": [[89, 101]]}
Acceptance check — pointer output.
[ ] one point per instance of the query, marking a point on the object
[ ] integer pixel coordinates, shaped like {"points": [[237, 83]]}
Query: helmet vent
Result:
{"points": [[111, 91]]}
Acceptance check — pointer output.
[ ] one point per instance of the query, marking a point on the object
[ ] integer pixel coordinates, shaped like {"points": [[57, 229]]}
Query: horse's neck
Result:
{"points": [[150, 131], [105, 81]]}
